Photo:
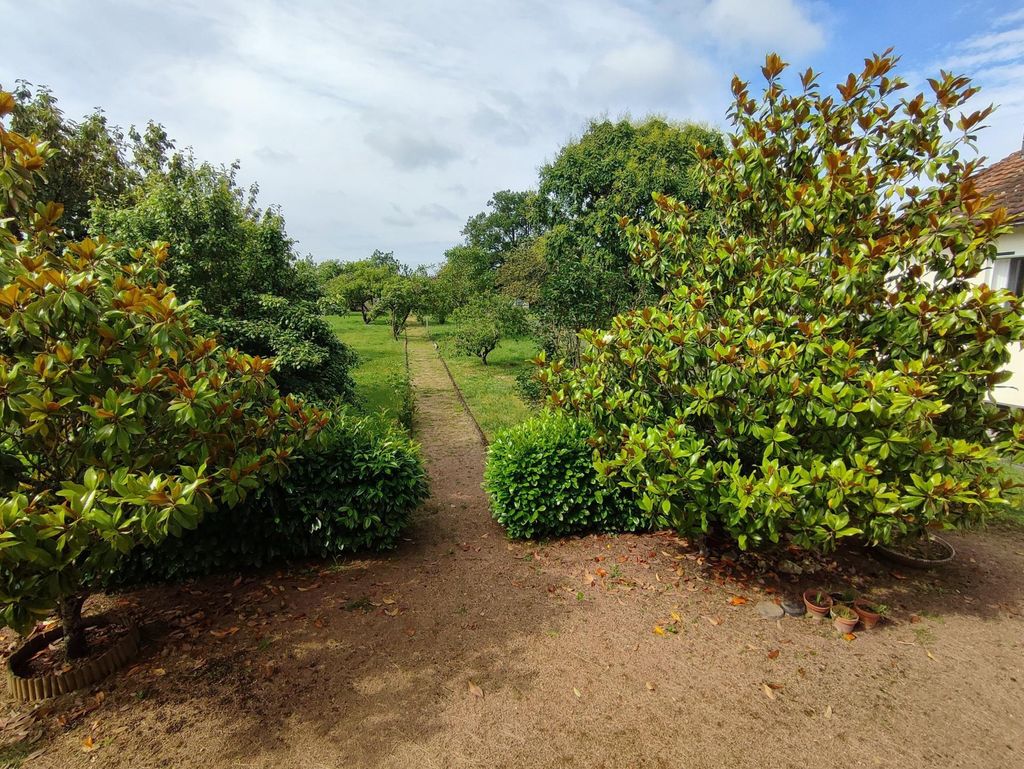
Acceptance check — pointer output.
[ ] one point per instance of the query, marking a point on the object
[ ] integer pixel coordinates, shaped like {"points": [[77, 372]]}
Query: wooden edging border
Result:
{"points": [[30, 689], [462, 398]]}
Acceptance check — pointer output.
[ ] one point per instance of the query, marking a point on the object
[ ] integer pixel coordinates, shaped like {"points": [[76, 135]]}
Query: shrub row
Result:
{"points": [[542, 483], [353, 489]]}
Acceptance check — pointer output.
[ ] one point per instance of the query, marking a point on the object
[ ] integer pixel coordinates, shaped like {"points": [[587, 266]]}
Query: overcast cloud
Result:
{"points": [[386, 125]]}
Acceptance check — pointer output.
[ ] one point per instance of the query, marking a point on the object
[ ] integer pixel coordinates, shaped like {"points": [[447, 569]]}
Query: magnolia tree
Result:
{"points": [[119, 425], [820, 363]]}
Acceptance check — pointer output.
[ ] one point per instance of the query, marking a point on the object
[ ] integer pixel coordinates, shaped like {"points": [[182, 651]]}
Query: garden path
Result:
{"points": [[462, 649]]}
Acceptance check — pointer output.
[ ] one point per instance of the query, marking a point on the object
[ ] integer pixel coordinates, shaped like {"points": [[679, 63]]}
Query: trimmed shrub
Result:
{"points": [[542, 483], [353, 489], [308, 356]]}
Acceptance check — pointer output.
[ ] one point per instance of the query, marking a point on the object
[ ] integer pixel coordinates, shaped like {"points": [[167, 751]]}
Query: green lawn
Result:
{"points": [[490, 390], [380, 374], [1014, 512]]}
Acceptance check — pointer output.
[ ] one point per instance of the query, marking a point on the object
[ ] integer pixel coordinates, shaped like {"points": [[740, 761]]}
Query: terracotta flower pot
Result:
{"points": [[844, 624], [868, 616], [818, 611]]}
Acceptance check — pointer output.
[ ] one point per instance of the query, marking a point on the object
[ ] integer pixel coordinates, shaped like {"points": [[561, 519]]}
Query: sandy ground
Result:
{"points": [[462, 649]]}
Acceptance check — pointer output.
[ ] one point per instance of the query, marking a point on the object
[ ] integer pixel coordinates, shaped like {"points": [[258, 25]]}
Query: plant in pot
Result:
{"points": [[869, 612], [844, 618], [818, 602], [119, 424]]}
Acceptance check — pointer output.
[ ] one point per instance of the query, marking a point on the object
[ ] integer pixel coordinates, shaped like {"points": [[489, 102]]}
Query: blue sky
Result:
{"points": [[386, 125]]}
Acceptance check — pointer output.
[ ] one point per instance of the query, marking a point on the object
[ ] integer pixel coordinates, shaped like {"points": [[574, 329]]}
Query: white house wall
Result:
{"points": [[1011, 392]]}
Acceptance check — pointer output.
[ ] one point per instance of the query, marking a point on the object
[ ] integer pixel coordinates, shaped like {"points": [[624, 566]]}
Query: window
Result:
{"points": [[1008, 272]]}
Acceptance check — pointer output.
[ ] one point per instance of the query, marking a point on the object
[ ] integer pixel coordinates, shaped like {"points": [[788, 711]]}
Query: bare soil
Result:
{"points": [[51, 659], [462, 649]]}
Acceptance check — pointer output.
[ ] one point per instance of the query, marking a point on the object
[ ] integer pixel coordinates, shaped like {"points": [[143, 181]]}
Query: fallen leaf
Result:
{"points": [[224, 633], [659, 630], [849, 636], [737, 600], [388, 600], [88, 744], [394, 612], [650, 686], [675, 617], [602, 573], [914, 619], [768, 691], [159, 672], [475, 690], [773, 654], [314, 586], [930, 655], [714, 620], [828, 711], [576, 692]]}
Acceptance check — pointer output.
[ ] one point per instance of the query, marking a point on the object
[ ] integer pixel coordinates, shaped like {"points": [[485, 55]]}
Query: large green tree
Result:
{"points": [[612, 171], [92, 158], [512, 223], [237, 261]]}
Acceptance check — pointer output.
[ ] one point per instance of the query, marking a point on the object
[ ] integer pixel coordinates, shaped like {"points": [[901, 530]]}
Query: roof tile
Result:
{"points": [[1005, 180]]}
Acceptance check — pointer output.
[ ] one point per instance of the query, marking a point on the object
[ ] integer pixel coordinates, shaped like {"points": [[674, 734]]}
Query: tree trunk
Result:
{"points": [[70, 612], [365, 314]]}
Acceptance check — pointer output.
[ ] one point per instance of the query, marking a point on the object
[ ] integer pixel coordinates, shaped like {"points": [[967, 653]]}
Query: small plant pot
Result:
{"points": [[844, 624], [932, 552], [818, 611], [31, 688], [865, 611]]}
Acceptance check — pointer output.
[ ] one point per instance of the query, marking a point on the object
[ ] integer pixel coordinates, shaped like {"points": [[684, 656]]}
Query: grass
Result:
{"points": [[380, 374], [490, 390], [1014, 511]]}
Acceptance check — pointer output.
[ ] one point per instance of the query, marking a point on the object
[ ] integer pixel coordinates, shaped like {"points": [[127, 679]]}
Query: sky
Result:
{"points": [[387, 125]]}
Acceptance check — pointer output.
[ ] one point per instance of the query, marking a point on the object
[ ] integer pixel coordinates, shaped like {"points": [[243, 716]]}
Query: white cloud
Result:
{"points": [[995, 60], [781, 25]]}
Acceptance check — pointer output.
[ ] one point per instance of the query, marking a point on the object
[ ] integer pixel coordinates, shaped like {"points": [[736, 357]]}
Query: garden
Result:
{"points": [[685, 457]]}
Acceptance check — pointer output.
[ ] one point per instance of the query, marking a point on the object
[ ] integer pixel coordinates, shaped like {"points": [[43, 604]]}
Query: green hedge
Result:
{"points": [[354, 490], [542, 482]]}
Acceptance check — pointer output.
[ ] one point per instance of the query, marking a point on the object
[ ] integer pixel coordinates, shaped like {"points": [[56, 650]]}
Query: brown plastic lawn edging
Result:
{"points": [[31, 688]]}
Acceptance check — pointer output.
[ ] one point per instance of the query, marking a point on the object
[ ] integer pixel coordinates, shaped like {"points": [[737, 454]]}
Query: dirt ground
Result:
{"points": [[462, 649]]}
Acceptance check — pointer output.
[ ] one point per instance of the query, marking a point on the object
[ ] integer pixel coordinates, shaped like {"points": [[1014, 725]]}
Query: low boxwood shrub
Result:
{"points": [[353, 489], [541, 480]]}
